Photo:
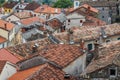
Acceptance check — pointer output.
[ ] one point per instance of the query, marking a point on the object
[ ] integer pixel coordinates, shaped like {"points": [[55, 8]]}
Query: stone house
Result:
{"points": [[80, 15], [47, 12], [106, 63], [108, 10], [57, 23]]}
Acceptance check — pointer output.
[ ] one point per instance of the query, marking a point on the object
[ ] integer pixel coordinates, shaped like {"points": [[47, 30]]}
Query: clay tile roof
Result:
{"points": [[6, 55], [23, 15], [91, 8], [2, 40], [6, 25], [91, 21], [108, 54], [32, 6], [62, 54], [41, 72], [2, 64], [10, 4], [31, 20], [89, 32], [47, 9], [25, 49]]}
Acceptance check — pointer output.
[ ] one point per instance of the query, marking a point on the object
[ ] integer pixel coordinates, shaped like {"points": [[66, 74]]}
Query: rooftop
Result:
{"points": [[31, 20], [89, 32], [10, 4], [62, 54], [6, 55], [32, 6], [42, 72], [6, 25]]}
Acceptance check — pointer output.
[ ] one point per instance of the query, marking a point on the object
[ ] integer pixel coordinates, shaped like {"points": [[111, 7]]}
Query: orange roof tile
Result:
{"points": [[22, 75], [91, 8], [62, 54], [31, 20], [2, 39], [42, 72], [6, 25], [5, 55], [48, 9]]}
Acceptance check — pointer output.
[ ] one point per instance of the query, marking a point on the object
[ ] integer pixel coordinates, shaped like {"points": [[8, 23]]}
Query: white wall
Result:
{"points": [[8, 71], [74, 20], [12, 18], [76, 67]]}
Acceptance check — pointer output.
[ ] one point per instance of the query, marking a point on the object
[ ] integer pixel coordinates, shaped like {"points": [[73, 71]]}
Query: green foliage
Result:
{"points": [[1, 2], [63, 4]]}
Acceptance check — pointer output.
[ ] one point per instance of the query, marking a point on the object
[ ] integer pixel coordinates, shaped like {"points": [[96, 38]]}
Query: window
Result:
{"points": [[77, 3], [81, 21], [103, 9], [112, 72], [90, 46], [68, 20], [102, 16], [107, 41], [118, 38], [9, 10]]}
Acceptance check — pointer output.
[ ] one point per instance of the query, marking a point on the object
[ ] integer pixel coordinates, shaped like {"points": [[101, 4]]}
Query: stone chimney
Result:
{"points": [[96, 50], [82, 47], [70, 36]]}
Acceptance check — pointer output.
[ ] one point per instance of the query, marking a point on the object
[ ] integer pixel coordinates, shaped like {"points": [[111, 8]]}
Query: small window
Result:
{"points": [[103, 9], [9, 10], [77, 4], [113, 72], [107, 41], [68, 20], [118, 38], [90, 46], [81, 21], [102, 16]]}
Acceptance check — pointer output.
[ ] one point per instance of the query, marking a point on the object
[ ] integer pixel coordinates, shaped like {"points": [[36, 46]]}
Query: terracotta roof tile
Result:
{"points": [[25, 49], [6, 55], [2, 64], [32, 6], [6, 25], [2, 40], [10, 4], [62, 54], [48, 9], [89, 32], [31, 20], [91, 8], [42, 72]]}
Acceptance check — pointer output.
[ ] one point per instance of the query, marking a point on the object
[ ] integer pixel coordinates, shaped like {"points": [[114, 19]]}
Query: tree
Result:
{"points": [[63, 4]]}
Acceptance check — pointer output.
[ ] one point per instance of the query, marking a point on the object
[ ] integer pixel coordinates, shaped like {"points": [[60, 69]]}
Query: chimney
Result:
{"points": [[56, 10], [67, 76], [35, 48], [96, 50], [70, 36], [5, 25]]}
